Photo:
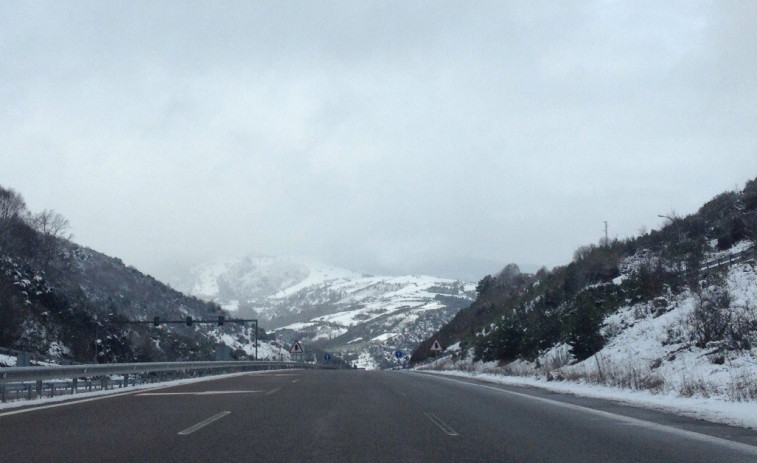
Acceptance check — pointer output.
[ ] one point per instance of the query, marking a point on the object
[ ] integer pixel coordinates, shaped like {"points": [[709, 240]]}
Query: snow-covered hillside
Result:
{"points": [[353, 315], [255, 286], [698, 343], [247, 282], [373, 317]]}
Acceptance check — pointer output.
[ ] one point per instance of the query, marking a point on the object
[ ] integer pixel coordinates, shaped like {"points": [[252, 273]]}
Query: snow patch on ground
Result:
{"points": [[384, 337], [265, 351], [318, 276], [206, 279], [365, 360], [230, 306], [329, 333], [298, 326]]}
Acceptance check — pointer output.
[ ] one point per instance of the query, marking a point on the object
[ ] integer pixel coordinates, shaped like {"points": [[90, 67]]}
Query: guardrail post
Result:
{"points": [[2, 392], [126, 380], [39, 388], [74, 384]]}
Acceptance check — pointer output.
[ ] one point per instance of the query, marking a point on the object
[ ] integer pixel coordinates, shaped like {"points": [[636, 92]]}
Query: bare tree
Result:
{"points": [[13, 213], [12, 205], [53, 227]]}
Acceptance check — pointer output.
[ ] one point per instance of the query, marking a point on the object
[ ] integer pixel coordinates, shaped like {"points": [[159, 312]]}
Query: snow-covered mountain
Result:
{"points": [[361, 318]]}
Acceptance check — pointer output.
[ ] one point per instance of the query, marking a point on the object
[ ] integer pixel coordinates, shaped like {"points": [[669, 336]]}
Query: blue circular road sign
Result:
{"points": [[327, 357], [398, 354]]}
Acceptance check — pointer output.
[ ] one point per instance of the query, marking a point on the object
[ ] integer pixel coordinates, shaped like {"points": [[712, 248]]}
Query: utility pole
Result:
{"points": [[96, 323], [607, 239]]}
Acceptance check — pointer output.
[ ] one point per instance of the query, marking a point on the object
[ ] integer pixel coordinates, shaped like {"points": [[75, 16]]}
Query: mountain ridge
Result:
{"points": [[351, 314]]}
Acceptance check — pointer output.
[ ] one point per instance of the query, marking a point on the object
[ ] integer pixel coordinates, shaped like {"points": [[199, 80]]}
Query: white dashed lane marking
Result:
{"points": [[202, 424]]}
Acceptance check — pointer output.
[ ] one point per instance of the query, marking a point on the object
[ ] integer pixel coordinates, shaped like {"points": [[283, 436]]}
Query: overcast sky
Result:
{"points": [[446, 138]]}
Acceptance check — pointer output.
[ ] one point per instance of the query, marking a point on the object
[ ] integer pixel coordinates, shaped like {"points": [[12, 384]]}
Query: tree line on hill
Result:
{"points": [[518, 315], [72, 303]]}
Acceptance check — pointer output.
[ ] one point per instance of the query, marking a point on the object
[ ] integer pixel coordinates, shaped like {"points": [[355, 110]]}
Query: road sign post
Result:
{"points": [[436, 348], [296, 351]]}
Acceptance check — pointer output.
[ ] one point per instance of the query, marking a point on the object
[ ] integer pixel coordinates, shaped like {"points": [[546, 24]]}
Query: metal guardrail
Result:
{"points": [[13, 375], [17, 374], [729, 259]]}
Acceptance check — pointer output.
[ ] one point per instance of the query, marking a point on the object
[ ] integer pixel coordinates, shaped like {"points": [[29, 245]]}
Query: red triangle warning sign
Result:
{"points": [[296, 348], [436, 347]]}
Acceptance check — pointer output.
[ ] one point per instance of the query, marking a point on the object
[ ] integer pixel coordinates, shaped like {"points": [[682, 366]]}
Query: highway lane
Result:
{"points": [[359, 416]]}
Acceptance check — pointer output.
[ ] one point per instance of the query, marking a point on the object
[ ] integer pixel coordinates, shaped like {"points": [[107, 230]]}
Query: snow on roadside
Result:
{"points": [[653, 357], [709, 409], [365, 361]]}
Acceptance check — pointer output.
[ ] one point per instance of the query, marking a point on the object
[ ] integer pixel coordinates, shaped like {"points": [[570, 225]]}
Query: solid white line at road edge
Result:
{"points": [[202, 424], [635, 421], [151, 394]]}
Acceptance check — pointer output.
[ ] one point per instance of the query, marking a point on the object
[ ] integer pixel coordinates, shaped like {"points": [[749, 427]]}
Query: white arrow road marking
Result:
{"points": [[202, 424]]}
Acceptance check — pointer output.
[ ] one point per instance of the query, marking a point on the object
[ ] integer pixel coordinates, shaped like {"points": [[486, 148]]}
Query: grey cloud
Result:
{"points": [[381, 136]]}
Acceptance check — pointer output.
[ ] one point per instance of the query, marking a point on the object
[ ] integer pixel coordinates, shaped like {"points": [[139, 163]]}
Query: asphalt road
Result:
{"points": [[359, 416]]}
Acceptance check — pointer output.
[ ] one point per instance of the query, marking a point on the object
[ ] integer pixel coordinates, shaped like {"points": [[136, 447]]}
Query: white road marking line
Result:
{"points": [[295, 380], [63, 401], [202, 424], [441, 424], [194, 393], [273, 391], [750, 449]]}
